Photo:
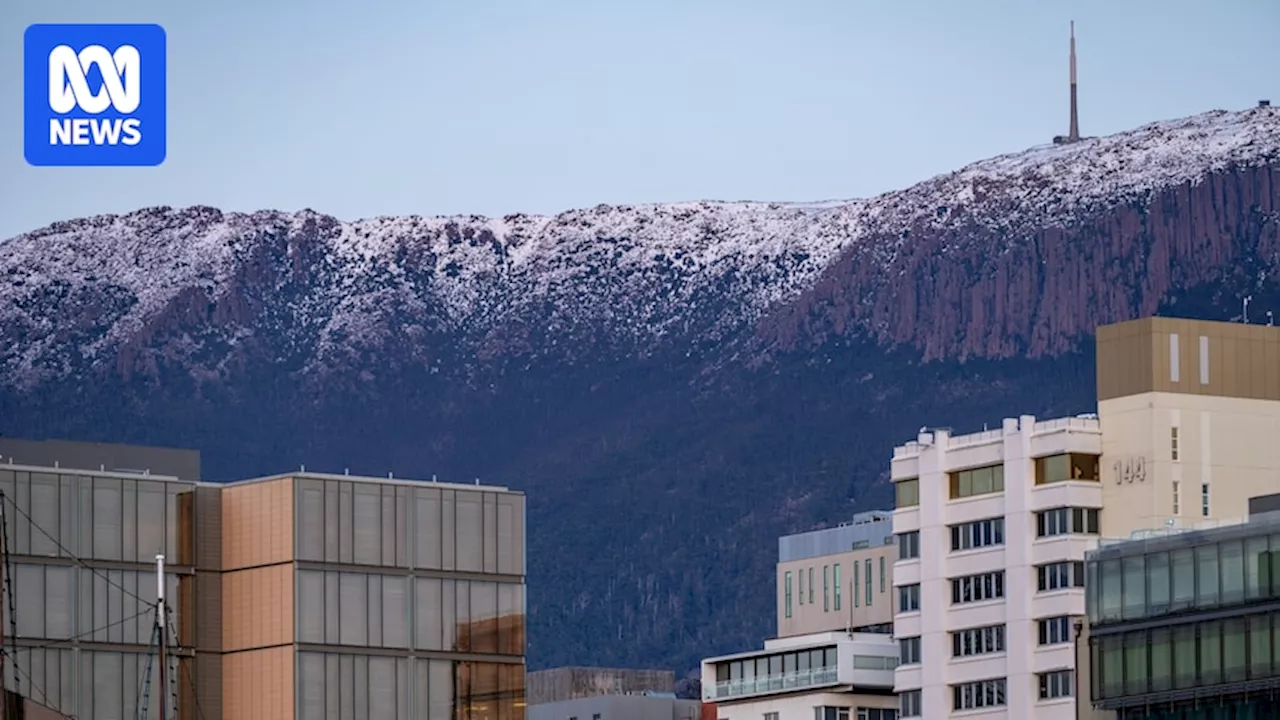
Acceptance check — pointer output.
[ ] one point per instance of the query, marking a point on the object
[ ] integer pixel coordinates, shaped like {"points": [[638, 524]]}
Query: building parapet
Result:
{"points": [[867, 530], [942, 437]]}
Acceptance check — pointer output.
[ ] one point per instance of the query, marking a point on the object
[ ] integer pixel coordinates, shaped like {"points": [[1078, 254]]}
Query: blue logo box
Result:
{"points": [[94, 95]]}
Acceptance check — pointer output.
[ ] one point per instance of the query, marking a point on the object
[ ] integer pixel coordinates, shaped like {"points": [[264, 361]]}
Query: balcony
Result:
{"points": [[782, 682]]}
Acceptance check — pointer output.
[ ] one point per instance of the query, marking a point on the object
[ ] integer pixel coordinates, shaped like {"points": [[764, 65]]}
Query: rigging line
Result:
{"points": [[186, 667], [44, 699], [73, 638], [6, 585], [73, 556]]}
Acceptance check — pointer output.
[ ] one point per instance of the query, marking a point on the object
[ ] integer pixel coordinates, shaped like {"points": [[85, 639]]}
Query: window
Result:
{"points": [[1063, 521], [1173, 357], [1057, 684], [1060, 575], [909, 598], [981, 694], [977, 588], [811, 586], [595, 716], [1204, 499], [771, 716], [907, 493], [1204, 360], [826, 588], [801, 586], [909, 545], [877, 714], [836, 578], [977, 641], [868, 576], [909, 650], [881, 574], [786, 593], [1067, 466], [978, 481], [981, 533], [827, 712], [1055, 630], [1177, 506], [1173, 443], [909, 704]]}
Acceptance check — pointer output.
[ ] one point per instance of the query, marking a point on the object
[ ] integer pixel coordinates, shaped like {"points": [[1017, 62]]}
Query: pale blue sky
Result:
{"points": [[500, 106]]}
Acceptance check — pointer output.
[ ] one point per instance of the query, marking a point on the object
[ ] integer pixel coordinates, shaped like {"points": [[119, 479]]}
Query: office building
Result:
{"points": [[834, 655], [838, 578], [294, 596], [1186, 625], [591, 693], [993, 526]]}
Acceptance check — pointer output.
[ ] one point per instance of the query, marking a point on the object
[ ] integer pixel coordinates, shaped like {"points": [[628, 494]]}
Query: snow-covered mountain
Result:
{"points": [[78, 295], [674, 385]]}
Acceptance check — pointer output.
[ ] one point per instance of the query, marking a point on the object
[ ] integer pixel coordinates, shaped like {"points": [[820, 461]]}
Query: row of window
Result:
{"points": [[772, 665], [990, 532], [990, 586], [991, 693], [990, 478], [828, 712], [1220, 574], [1191, 655], [986, 639], [832, 585]]}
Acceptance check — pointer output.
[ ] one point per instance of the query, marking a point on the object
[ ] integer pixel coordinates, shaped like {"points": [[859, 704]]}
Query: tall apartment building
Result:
{"points": [[993, 526], [833, 658], [295, 596]]}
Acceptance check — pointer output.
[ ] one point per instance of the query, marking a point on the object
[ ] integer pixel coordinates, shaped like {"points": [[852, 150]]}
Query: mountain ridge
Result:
{"points": [[673, 385]]}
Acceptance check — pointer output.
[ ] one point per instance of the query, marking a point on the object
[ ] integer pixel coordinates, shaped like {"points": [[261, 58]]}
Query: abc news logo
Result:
{"points": [[69, 89], [94, 95]]}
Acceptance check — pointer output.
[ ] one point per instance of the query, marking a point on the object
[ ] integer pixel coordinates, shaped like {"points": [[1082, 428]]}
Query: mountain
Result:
{"points": [[673, 385]]}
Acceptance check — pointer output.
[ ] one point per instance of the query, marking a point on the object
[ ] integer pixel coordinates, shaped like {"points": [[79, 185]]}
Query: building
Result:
{"points": [[992, 529], [1186, 625], [587, 693], [834, 656], [295, 596], [823, 676], [646, 705], [837, 578], [1183, 436]]}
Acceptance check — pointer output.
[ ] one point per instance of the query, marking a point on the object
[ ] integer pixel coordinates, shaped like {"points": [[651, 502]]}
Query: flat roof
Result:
{"points": [[307, 475], [1179, 539]]}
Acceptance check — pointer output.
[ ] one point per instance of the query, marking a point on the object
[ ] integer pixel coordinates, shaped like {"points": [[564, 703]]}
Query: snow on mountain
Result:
{"points": [[74, 293]]}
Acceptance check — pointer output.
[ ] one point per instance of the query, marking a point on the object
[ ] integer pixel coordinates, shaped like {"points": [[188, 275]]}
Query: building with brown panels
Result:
{"points": [[295, 596]]}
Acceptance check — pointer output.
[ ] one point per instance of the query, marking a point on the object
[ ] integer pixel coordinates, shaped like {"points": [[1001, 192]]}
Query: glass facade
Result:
{"points": [[85, 585], [410, 601], [1180, 574], [1186, 615], [793, 670]]}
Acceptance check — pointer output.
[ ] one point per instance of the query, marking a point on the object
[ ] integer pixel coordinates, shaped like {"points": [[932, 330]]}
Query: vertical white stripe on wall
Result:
{"points": [[1173, 357], [1204, 360]]}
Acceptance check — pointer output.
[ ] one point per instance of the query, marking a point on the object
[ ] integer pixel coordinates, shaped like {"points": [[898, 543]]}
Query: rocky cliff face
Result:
{"points": [[673, 385]]}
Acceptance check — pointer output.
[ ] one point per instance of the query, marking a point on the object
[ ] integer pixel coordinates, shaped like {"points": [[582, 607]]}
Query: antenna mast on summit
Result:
{"points": [[1073, 133]]}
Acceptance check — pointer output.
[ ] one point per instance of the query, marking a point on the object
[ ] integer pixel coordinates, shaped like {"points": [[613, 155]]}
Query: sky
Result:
{"points": [[492, 107]]}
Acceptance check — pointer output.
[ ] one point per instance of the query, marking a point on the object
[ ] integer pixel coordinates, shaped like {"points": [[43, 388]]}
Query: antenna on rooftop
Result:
{"points": [[1244, 315], [1268, 318]]}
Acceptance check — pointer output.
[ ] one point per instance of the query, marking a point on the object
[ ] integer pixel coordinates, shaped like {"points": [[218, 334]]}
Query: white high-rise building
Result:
{"points": [[992, 529]]}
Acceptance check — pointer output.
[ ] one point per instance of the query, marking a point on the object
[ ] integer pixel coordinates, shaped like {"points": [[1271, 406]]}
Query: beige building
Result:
{"points": [[1190, 412], [838, 578], [295, 596]]}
